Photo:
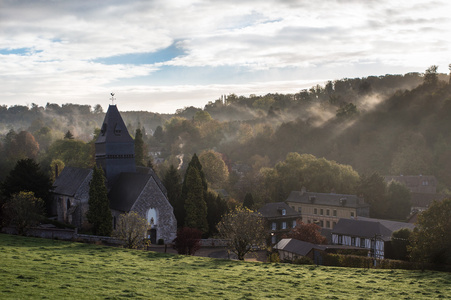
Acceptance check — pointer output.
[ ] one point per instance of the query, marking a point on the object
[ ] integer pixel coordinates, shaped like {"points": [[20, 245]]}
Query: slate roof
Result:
{"points": [[368, 228], [69, 180], [424, 200], [274, 210], [113, 129], [326, 199], [150, 171], [297, 246], [415, 182]]}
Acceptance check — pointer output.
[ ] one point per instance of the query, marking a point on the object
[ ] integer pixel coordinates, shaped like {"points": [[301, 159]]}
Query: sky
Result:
{"points": [[165, 55]]}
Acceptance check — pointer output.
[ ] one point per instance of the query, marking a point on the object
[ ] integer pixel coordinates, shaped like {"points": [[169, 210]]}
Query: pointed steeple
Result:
{"points": [[115, 148]]}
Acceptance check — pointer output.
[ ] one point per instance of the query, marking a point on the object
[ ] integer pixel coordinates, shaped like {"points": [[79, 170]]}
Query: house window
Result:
{"points": [[333, 224], [321, 212], [321, 223], [284, 225], [352, 214], [300, 209], [294, 223], [273, 226], [335, 212], [308, 221], [315, 211], [340, 239], [362, 242], [352, 241], [273, 239], [284, 211], [328, 212], [328, 224]]}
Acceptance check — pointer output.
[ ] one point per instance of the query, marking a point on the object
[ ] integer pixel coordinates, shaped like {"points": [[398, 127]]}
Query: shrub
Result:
{"points": [[274, 258], [303, 260], [188, 240], [160, 242]]}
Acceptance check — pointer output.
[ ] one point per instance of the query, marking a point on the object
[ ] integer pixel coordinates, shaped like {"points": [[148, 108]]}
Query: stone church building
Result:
{"points": [[130, 188]]}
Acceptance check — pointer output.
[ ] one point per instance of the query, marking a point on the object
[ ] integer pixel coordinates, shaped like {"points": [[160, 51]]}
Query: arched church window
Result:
{"points": [[67, 203], [152, 217]]}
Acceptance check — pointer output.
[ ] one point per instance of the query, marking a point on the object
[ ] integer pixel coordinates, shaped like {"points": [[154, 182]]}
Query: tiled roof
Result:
{"points": [[69, 181], [126, 190], [329, 199], [297, 246], [274, 210], [368, 228]]}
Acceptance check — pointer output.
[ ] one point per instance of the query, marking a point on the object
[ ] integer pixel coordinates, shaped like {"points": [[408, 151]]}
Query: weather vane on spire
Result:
{"points": [[112, 98]]}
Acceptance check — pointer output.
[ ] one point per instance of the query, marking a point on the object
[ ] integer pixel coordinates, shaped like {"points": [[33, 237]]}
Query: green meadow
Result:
{"points": [[32, 268]]}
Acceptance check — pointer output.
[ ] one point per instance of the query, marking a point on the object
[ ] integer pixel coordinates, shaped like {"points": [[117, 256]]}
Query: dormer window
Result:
{"points": [[284, 211], [117, 129], [103, 130]]}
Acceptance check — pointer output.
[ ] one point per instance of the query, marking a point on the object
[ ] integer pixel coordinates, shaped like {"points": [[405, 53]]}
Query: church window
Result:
{"points": [[152, 218], [67, 203], [103, 130]]}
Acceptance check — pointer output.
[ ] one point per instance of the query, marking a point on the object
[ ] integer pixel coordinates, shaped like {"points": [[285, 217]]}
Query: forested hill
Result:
{"points": [[392, 124]]}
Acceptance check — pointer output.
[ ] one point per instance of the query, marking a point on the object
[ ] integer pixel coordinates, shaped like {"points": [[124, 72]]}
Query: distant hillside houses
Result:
{"points": [[130, 188], [423, 189]]}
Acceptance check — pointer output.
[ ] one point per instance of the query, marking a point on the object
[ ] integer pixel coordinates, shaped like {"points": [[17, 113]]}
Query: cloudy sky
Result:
{"points": [[163, 55]]}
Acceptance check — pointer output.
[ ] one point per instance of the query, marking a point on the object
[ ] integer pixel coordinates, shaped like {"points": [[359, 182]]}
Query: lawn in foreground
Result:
{"points": [[47, 269]]}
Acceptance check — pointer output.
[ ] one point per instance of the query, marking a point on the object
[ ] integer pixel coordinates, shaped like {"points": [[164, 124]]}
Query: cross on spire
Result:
{"points": [[112, 98]]}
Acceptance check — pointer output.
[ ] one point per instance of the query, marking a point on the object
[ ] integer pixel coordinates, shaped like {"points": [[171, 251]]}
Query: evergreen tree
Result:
{"points": [[180, 211], [172, 183], [216, 208], [69, 135], [139, 148], [27, 177], [99, 214], [195, 206], [248, 201]]}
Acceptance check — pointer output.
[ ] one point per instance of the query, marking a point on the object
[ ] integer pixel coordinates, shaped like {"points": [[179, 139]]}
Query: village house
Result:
{"points": [[367, 233], [280, 219], [130, 188], [325, 209]]}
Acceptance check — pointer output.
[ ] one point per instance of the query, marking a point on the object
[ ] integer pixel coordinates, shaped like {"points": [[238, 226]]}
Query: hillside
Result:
{"points": [[38, 268]]}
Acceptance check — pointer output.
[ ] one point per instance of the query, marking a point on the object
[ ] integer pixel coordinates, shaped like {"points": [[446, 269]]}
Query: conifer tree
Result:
{"points": [[99, 214], [139, 148], [195, 206], [248, 201]]}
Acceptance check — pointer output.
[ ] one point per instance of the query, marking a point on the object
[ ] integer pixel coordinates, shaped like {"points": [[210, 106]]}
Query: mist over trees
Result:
{"points": [[329, 138]]}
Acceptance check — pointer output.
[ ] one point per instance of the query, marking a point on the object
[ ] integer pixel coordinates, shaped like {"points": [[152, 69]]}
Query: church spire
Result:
{"points": [[115, 148]]}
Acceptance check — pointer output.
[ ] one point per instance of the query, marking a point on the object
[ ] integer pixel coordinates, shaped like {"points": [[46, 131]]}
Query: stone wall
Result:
{"points": [[153, 197]]}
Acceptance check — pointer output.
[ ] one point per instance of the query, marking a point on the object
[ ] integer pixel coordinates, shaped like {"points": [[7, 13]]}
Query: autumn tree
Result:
{"points": [[399, 244], [99, 214], [244, 230], [24, 210], [431, 241], [131, 228], [216, 172], [308, 233]]}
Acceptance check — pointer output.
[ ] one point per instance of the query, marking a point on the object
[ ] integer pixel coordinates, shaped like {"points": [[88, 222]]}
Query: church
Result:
{"points": [[130, 188]]}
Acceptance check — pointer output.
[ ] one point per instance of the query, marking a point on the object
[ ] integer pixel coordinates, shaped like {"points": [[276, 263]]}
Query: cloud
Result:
{"points": [[79, 48]]}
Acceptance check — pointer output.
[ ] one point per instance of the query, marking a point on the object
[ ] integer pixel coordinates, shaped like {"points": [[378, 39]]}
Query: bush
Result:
{"points": [[160, 242], [274, 258], [303, 260], [188, 240]]}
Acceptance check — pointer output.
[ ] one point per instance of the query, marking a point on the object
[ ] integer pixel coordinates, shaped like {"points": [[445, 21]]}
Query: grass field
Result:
{"points": [[33, 268]]}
